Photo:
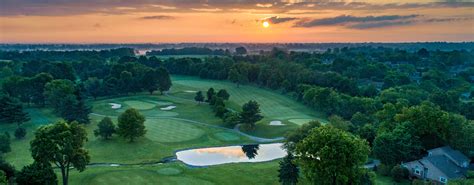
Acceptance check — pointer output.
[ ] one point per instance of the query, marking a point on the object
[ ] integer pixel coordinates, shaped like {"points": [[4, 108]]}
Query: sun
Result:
{"points": [[266, 24]]}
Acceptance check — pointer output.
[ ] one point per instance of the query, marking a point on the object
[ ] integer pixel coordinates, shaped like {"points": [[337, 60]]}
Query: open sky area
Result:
{"points": [[140, 21]]}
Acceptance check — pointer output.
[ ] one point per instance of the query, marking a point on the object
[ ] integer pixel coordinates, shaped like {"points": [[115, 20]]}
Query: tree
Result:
{"points": [[11, 111], [131, 124], [199, 97], [105, 128], [250, 114], [150, 81], [220, 111], [288, 172], [3, 177], [240, 50], [393, 147], [368, 133], [427, 122], [164, 80], [235, 76], [231, 119], [210, 94], [5, 143], [77, 110], [37, 173], [126, 82], [8, 169], [223, 94], [61, 144], [295, 136], [60, 94], [331, 156], [93, 87], [20, 133]]}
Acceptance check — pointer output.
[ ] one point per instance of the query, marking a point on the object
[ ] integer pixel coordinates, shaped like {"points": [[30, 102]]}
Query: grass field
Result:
{"points": [[179, 174]]}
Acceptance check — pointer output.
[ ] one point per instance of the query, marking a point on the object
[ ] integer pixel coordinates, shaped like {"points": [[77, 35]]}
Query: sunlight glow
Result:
{"points": [[266, 24]]}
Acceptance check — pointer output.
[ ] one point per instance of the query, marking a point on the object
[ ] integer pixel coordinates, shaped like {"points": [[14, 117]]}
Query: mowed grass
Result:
{"points": [[20, 154], [168, 130], [274, 106], [178, 173]]}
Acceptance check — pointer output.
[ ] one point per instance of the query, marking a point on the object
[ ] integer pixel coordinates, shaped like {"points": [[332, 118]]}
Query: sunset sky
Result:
{"points": [[154, 21]]}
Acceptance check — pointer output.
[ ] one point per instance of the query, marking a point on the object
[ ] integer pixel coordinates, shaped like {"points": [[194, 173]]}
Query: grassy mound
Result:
{"points": [[167, 130]]}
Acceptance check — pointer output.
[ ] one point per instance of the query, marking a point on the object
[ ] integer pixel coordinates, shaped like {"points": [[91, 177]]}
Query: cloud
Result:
{"points": [[157, 17], [381, 24], [74, 7], [278, 20], [348, 19]]}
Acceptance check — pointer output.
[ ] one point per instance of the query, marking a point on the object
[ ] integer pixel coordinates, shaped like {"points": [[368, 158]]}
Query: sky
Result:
{"points": [[167, 21]]}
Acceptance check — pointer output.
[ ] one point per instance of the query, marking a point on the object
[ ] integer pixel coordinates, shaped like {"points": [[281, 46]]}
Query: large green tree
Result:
{"points": [[60, 94], [105, 128], [199, 97], [131, 124], [250, 114], [393, 147], [61, 144], [288, 172], [164, 80], [11, 111], [5, 143], [331, 156]]}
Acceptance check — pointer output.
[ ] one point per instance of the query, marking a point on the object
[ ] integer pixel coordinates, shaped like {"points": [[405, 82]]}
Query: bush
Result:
{"points": [[20, 133], [384, 170], [399, 173], [470, 174]]}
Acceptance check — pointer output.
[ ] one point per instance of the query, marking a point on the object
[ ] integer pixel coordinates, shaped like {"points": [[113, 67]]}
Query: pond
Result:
{"points": [[231, 154]]}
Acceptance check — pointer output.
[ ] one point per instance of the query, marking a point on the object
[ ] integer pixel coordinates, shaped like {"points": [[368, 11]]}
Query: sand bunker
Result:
{"points": [[189, 91], [171, 107], [276, 123], [115, 105]]}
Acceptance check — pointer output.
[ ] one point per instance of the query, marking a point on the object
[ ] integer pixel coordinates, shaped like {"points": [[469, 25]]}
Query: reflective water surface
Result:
{"points": [[231, 154]]}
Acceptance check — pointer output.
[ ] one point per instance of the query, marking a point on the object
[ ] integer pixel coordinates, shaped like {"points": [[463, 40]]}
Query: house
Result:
{"points": [[440, 165]]}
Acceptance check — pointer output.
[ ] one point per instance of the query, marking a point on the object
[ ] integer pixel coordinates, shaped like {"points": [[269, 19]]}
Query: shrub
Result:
{"points": [[384, 170], [470, 174], [20, 133], [399, 173]]}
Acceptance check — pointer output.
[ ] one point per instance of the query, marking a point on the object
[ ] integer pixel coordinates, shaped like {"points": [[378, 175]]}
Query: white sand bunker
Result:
{"points": [[276, 123], [189, 91], [115, 105], [171, 107]]}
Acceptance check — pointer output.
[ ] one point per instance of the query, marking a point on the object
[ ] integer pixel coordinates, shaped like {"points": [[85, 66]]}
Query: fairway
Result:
{"points": [[167, 130], [273, 105]]}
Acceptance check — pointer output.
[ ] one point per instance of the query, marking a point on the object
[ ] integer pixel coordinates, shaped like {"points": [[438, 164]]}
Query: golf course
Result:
{"points": [[174, 122]]}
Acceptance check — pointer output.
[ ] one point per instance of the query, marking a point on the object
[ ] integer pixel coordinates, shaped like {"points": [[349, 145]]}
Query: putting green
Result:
{"points": [[160, 103], [140, 105], [169, 171], [167, 130], [227, 136], [300, 121], [156, 112]]}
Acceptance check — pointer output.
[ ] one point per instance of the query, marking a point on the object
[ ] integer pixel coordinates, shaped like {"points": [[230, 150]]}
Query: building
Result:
{"points": [[440, 165]]}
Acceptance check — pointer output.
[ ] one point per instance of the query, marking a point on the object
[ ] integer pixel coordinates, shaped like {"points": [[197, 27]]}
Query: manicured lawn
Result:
{"points": [[383, 180], [177, 173]]}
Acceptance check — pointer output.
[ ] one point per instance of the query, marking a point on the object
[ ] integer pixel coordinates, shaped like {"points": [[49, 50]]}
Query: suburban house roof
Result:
{"points": [[454, 155], [445, 165]]}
